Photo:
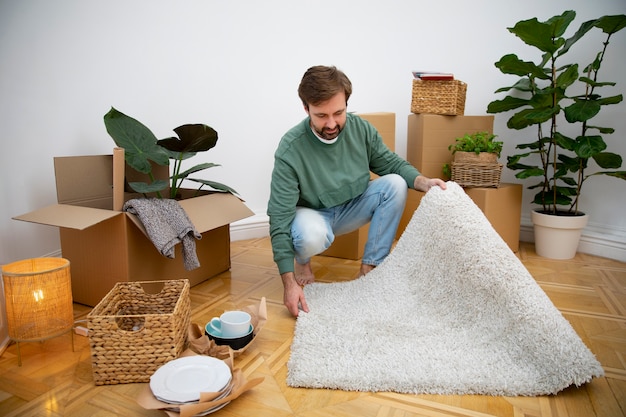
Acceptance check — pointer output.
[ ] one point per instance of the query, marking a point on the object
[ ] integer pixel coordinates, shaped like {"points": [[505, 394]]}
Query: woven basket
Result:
{"points": [[133, 331], [439, 97], [476, 175]]}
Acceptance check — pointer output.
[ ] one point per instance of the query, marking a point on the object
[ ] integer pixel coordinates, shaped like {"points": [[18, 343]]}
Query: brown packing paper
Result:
{"points": [[200, 343], [238, 386]]}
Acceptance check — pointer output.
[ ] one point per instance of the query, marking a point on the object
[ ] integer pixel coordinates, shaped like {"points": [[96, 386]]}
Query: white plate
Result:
{"points": [[183, 379]]}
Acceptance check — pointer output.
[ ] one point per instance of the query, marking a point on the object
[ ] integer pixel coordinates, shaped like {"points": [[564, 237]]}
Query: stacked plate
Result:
{"points": [[181, 381]]}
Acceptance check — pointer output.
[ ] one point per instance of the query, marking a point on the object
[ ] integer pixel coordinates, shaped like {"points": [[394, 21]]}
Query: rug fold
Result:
{"points": [[451, 310]]}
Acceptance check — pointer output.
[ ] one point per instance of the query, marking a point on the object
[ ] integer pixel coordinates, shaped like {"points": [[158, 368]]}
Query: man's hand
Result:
{"points": [[424, 184], [294, 295]]}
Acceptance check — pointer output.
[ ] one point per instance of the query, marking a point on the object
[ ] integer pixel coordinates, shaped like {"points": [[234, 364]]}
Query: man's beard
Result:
{"points": [[324, 133]]}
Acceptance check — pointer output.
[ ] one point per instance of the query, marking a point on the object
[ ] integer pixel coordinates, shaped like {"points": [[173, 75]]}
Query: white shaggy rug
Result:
{"points": [[450, 311]]}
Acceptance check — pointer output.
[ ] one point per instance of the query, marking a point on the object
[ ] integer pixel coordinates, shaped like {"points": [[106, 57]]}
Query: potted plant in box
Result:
{"points": [[556, 100], [142, 148], [475, 160]]}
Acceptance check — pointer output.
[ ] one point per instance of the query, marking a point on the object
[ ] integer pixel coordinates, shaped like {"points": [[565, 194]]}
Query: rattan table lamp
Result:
{"points": [[38, 300]]}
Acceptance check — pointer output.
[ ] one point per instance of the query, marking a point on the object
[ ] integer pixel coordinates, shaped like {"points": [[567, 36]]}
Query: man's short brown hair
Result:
{"points": [[321, 83]]}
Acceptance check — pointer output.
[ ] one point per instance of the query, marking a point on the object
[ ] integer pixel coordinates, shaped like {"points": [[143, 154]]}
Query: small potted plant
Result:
{"points": [[557, 102], [475, 160], [142, 149]]}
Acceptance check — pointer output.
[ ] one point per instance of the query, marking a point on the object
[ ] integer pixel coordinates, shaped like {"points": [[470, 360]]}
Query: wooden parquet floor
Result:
{"points": [[589, 291]]}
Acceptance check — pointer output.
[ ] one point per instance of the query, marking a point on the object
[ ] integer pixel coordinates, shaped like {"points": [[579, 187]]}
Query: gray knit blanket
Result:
{"points": [[167, 224], [450, 311]]}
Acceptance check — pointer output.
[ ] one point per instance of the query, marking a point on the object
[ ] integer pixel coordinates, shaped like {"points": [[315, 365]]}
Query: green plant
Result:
{"points": [[559, 103], [141, 149], [477, 142]]}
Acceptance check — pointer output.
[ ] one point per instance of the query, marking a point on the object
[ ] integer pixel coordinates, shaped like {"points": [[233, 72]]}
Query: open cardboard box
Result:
{"points": [[106, 245]]}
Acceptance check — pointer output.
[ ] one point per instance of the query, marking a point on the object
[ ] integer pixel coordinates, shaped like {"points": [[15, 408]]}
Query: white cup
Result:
{"points": [[231, 324]]}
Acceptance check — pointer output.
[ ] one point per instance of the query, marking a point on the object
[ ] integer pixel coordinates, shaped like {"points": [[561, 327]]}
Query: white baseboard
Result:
{"points": [[253, 227], [595, 240]]}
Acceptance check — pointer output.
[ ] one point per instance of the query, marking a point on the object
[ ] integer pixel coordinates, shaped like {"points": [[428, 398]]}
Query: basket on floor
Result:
{"points": [[472, 175], [136, 328], [439, 97]]}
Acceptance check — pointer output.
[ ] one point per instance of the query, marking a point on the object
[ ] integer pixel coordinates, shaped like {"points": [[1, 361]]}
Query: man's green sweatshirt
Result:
{"points": [[317, 175]]}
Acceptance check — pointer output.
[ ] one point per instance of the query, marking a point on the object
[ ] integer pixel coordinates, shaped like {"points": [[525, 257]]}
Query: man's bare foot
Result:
{"points": [[365, 268], [304, 274]]}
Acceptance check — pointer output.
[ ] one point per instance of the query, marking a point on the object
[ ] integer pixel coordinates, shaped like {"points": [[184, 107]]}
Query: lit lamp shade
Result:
{"points": [[38, 298]]}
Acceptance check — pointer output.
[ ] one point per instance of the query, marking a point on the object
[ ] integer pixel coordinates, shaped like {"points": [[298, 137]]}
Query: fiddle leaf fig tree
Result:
{"points": [[558, 99], [142, 148]]}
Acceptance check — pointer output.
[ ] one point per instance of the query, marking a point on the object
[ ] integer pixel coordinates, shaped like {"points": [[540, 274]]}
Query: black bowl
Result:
{"points": [[234, 343]]}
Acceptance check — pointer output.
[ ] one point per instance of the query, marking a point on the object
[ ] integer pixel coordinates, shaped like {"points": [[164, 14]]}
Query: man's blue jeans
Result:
{"points": [[381, 205]]}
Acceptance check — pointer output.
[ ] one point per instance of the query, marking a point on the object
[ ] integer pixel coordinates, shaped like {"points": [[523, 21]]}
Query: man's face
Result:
{"points": [[329, 117]]}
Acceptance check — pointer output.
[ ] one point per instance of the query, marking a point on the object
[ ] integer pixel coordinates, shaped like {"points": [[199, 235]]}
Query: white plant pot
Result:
{"points": [[557, 237]]}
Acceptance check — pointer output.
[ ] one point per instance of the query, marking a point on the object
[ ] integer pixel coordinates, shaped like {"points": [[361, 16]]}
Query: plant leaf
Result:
{"points": [[608, 160], [142, 187], [191, 138], [215, 185], [581, 110], [588, 146], [138, 141], [196, 168], [511, 64]]}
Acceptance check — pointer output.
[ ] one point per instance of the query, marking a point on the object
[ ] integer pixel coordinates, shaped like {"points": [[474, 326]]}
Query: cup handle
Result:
{"points": [[216, 324]]}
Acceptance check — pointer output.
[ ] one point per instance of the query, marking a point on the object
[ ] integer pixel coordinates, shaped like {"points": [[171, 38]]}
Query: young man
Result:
{"points": [[321, 184]]}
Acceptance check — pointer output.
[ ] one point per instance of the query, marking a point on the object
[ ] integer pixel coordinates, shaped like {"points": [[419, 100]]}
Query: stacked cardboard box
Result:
{"points": [[428, 139], [106, 245]]}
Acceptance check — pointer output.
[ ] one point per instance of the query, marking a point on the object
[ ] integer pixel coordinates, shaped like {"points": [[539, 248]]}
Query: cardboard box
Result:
{"points": [[352, 245], [106, 245], [503, 208], [429, 135]]}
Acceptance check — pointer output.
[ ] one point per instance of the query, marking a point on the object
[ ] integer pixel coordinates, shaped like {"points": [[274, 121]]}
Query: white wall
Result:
{"points": [[236, 66]]}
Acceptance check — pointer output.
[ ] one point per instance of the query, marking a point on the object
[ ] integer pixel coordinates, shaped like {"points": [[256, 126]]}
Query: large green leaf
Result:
{"points": [[191, 138], [139, 143], [608, 160], [611, 24], [544, 36], [588, 146], [511, 64], [581, 110], [506, 104]]}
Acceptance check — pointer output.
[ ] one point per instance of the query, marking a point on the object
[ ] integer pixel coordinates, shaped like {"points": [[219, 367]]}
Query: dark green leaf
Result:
{"points": [[531, 172], [511, 64], [567, 77], [588, 146], [581, 110], [607, 130], [617, 174], [564, 141], [142, 187], [199, 167], [611, 24], [191, 138], [506, 104], [593, 83], [138, 141], [611, 100], [608, 160], [544, 36], [215, 185]]}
